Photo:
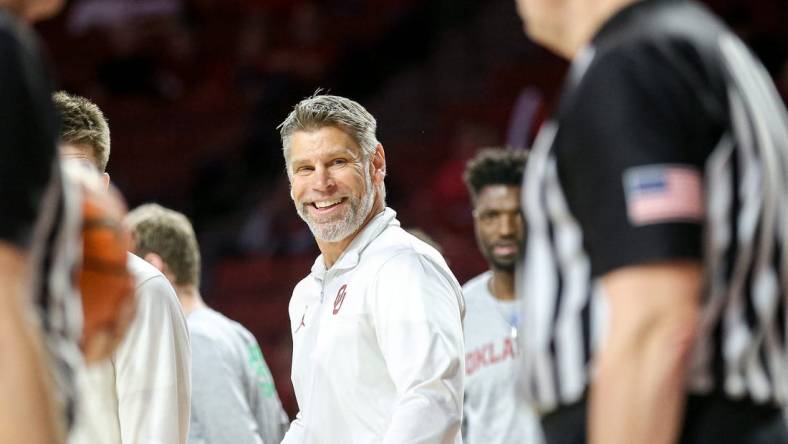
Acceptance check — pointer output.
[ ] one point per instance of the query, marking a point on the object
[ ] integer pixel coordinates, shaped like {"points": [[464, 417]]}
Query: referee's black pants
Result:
{"points": [[707, 420]]}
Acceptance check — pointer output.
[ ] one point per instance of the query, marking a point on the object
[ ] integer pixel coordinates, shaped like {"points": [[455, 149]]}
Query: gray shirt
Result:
{"points": [[234, 400]]}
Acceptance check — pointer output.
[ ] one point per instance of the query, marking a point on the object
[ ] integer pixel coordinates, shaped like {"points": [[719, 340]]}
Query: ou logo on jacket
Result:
{"points": [[340, 298]]}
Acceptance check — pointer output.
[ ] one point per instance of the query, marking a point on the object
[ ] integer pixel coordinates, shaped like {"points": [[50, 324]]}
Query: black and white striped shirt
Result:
{"points": [[670, 142], [56, 252]]}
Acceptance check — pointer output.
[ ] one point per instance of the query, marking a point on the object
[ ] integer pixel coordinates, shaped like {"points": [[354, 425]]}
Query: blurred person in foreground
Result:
{"points": [[234, 400], [377, 324], [655, 278], [40, 318], [141, 394], [493, 413]]}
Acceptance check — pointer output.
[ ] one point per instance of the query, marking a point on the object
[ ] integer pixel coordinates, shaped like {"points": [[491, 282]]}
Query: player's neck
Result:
{"points": [[17, 9], [584, 22], [11, 7], [502, 285], [189, 297]]}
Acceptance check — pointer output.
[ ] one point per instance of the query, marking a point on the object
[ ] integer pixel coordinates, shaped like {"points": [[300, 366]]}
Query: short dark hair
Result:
{"points": [[494, 166]]}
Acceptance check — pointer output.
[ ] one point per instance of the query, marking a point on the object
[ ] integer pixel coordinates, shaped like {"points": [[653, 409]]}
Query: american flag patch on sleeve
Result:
{"points": [[663, 193]]}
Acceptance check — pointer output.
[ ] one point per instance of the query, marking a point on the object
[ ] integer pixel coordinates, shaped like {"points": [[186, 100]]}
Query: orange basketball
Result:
{"points": [[104, 279]]}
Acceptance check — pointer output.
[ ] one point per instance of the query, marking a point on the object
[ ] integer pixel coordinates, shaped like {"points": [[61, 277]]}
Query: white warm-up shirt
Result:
{"points": [[377, 344], [494, 412], [142, 394]]}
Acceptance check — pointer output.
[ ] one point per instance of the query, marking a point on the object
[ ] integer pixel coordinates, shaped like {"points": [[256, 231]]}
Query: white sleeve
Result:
{"points": [[417, 313], [152, 368], [296, 433]]}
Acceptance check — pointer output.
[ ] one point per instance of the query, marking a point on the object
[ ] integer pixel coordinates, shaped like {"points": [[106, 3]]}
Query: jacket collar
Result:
{"points": [[352, 253]]}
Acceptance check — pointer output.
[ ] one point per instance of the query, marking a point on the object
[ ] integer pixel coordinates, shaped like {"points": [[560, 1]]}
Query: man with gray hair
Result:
{"points": [[377, 324]]}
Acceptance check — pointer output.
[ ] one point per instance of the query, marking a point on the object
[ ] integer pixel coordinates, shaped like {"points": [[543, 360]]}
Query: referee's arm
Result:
{"points": [[28, 411], [655, 132], [637, 394]]}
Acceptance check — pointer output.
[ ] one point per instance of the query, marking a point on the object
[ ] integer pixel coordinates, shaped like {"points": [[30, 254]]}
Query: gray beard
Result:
{"points": [[337, 230]]}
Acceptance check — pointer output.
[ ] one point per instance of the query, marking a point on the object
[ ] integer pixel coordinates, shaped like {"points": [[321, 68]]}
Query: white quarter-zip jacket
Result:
{"points": [[378, 353]]}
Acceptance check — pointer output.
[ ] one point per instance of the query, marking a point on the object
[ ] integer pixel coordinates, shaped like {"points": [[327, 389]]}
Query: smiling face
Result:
{"points": [[499, 225], [332, 185]]}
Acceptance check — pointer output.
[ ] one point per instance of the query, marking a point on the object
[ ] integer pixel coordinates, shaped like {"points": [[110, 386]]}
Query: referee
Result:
{"points": [[39, 316], [656, 270]]}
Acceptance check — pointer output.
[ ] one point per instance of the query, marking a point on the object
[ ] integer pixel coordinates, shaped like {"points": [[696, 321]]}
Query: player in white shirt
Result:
{"points": [[141, 395], [377, 324], [493, 412]]}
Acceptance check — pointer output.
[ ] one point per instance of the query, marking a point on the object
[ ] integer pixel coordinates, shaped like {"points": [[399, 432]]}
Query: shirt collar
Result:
{"points": [[350, 257], [618, 27], [615, 30]]}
